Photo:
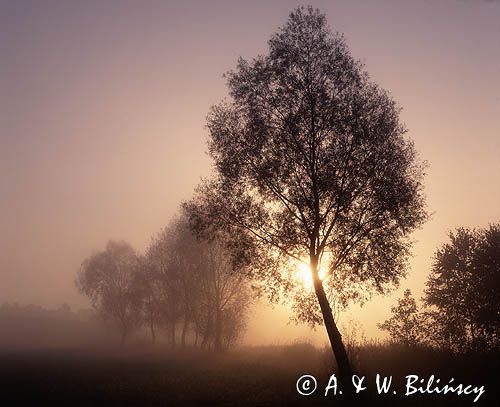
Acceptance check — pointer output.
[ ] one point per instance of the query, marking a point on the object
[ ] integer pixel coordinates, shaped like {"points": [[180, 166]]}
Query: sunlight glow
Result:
{"points": [[303, 274]]}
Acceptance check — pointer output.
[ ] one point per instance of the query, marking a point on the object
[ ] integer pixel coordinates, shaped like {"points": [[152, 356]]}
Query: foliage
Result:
{"points": [[311, 159], [223, 298], [167, 271], [405, 324], [179, 281], [154, 306], [192, 283], [108, 279], [463, 290], [310, 156]]}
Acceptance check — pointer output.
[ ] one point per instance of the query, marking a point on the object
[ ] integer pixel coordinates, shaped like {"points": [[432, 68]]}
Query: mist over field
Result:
{"points": [[201, 202]]}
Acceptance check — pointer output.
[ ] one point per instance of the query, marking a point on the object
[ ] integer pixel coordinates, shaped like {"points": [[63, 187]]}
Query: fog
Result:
{"points": [[103, 110]]}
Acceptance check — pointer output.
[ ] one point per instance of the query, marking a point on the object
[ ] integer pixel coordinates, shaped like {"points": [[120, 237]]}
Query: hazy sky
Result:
{"points": [[103, 105]]}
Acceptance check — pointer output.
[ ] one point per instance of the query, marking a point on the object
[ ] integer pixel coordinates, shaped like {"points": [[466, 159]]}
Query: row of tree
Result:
{"points": [[312, 165], [182, 286], [461, 304]]}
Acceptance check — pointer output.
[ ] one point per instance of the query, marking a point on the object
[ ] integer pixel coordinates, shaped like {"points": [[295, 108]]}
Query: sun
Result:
{"points": [[303, 274]]}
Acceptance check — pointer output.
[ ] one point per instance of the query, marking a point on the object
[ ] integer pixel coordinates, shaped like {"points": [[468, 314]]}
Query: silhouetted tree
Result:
{"points": [[311, 158], [186, 262], [224, 296], [152, 296], [160, 257], [463, 290], [108, 278], [405, 324], [234, 321], [196, 285]]}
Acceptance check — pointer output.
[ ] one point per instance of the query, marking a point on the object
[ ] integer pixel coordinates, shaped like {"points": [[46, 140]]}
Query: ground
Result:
{"points": [[260, 376]]}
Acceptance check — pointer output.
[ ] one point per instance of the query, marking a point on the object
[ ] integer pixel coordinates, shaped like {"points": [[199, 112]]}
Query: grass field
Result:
{"points": [[258, 376]]}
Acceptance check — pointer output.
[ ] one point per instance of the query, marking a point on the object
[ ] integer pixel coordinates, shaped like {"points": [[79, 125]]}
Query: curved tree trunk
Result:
{"points": [[338, 348]]}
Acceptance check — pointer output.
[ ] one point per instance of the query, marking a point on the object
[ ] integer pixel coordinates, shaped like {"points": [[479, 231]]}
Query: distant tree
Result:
{"points": [[405, 324], [463, 290], [186, 262], [166, 277], [193, 282], [225, 297], [151, 293], [234, 322], [311, 159], [64, 309], [108, 278]]}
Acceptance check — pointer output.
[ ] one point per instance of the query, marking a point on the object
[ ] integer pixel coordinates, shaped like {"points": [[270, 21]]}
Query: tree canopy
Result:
{"points": [[405, 324], [463, 290], [310, 159], [179, 282], [108, 278]]}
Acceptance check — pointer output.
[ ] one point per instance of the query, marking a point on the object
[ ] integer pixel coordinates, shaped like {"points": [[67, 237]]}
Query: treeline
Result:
{"points": [[185, 289], [461, 304], [31, 326]]}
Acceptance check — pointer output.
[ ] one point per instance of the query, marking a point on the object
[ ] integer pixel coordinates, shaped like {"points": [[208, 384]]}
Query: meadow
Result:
{"points": [[252, 376]]}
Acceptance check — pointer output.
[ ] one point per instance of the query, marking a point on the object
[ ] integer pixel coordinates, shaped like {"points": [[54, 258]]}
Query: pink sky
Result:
{"points": [[103, 109]]}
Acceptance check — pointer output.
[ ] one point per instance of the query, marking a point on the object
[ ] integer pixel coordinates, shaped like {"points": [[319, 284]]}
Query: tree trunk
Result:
{"points": [[204, 341], [172, 337], [338, 348], [207, 334], [153, 333], [184, 330], [123, 337], [218, 331]]}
